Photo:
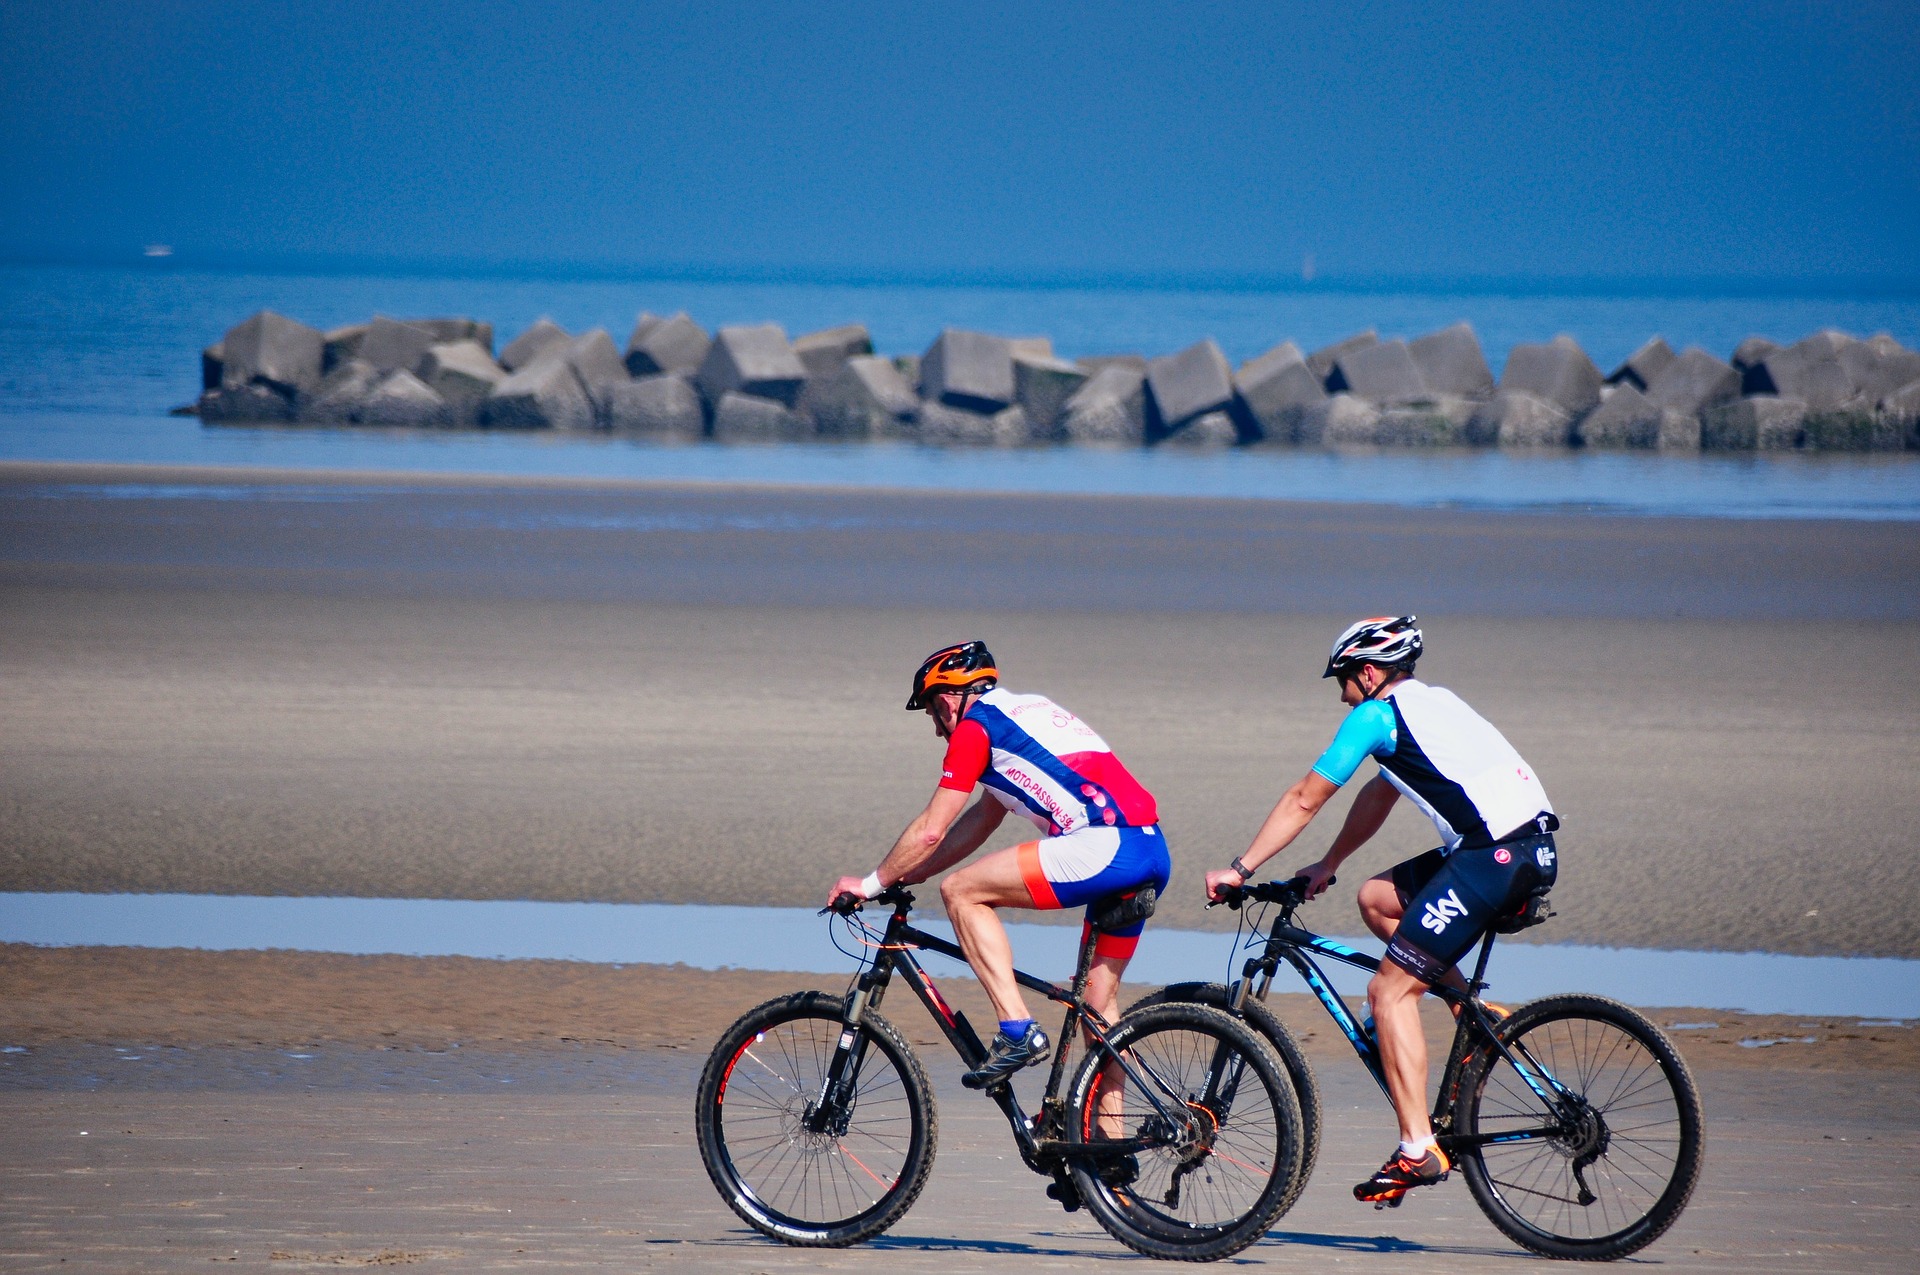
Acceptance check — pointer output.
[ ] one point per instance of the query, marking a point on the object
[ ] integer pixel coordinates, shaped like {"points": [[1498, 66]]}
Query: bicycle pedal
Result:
{"points": [[1391, 1202], [1065, 1195]]}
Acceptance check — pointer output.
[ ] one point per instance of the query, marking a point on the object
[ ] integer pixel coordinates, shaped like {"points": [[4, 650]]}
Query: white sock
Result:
{"points": [[1418, 1150]]}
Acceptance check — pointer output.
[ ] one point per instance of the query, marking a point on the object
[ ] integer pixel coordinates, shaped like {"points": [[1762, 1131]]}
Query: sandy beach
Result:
{"points": [[163, 1110], [311, 684], [242, 683]]}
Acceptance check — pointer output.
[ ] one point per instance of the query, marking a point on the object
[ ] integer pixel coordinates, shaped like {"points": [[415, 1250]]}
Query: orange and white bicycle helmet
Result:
{"points": [[1392, 640], [964, 667]]}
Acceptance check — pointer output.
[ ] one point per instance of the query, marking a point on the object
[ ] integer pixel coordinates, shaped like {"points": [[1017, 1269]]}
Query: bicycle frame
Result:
{"points": [[1292, 943], [1040, 1148]]}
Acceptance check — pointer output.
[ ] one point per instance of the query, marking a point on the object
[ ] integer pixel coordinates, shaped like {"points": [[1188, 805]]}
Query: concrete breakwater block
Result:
{"points": [[1380, 373], [462, 373], [531, 344], [1625, 418], [1809, 370], [445, 331], [753, 360], [945, 425], [1276, 390], [1323, 359], [274, 351], [1758, 423], [233, 404], [341, 345], [545, 394], [1854, 428], [1902, 408], [401, 398], [1042, 385], [1451, 362], [1207, 430], [1344, 420], [1516, 418], [1110, 408], [739, 418], [1643, 365], [666, 405], [675, 344], [391, 345], [866, 398], [822, 353], [1750, 352], [595, 357], [1878, 367], [1438, 421], [337, 399], [1694, 382], [971, 370], [1558, 372], [1191, 383]]}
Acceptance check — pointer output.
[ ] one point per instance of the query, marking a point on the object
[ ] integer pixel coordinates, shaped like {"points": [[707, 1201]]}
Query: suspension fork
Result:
{"points": [[832, 1108]]}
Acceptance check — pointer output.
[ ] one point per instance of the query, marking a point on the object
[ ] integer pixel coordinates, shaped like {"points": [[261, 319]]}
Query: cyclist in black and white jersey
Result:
{"points": [[1496, 825]]}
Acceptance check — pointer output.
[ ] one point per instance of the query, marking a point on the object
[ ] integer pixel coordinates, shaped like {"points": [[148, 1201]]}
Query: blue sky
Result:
{"points": [[1755, 141]]}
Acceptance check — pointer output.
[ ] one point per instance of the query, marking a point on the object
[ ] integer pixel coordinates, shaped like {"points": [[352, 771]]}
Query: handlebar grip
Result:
{"points": [[844, 904]]}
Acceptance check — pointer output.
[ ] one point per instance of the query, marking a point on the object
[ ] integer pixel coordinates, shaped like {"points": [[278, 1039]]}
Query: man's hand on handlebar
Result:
{"points": [[853, 886], [1318, 877], [1228, 878]]}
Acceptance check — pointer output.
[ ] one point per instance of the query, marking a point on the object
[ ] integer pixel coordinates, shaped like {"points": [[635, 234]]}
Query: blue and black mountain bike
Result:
{"points": [[1574, 1119]]}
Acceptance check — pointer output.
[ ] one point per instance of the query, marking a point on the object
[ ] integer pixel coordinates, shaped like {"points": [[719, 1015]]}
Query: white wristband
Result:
{"points": [[871, 886]]}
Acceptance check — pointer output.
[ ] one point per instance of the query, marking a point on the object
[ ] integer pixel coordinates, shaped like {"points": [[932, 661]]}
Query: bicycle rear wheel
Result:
{"points": [[1609, 1172], [825, 1182], [1214, 1127]]}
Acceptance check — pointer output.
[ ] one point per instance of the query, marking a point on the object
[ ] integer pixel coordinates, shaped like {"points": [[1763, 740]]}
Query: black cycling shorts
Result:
{"points": [[1453, 899]]}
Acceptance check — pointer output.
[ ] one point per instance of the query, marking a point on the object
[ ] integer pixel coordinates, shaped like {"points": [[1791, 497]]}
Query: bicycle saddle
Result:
{"points": [[1117, 911]]}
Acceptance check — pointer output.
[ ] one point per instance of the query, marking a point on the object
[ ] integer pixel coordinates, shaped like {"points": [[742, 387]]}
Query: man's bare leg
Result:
{"points": [[971, 895], [1395, 997], [1103, 997]]}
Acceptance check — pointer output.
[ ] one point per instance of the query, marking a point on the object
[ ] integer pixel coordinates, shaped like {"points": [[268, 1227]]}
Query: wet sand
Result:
{"points": [[288, 1112], [237, 683]]}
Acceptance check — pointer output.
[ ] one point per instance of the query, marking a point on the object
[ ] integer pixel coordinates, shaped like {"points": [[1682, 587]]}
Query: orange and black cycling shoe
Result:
{"points": [[1400, 1175]]}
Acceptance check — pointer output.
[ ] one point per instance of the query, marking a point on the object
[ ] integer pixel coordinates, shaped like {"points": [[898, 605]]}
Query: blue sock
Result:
{"points": [[1014, 1028]]}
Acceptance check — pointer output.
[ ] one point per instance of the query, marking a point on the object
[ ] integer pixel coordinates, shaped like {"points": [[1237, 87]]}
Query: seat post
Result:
{"points": [[1480, 967]]}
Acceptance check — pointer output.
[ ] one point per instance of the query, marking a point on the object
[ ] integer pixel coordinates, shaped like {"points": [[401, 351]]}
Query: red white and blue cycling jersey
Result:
{"points": [[1041, 761]]}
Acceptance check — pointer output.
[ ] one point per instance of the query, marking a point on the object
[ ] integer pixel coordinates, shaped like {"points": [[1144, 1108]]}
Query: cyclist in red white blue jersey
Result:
{"points": [[1100, 835]]}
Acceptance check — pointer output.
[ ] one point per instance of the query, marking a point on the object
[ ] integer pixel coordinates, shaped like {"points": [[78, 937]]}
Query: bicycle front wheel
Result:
{"points": [[791, 1170], [1604, 1168], [1211, 1128]]}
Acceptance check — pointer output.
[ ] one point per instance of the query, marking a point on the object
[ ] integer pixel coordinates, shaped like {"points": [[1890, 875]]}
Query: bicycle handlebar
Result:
{"points": [[847, 904], [1292, 893]]}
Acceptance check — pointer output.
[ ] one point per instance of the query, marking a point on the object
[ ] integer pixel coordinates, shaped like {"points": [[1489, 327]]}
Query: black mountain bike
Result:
{"points": [[1178, 1130], [1574, 1119]]}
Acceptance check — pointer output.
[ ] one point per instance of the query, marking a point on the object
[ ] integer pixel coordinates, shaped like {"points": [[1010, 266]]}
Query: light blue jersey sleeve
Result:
{"points": [[1368, 731]]}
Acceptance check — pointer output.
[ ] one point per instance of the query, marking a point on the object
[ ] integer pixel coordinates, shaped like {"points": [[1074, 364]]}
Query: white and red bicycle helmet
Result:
{"points": [[1392, 640]]}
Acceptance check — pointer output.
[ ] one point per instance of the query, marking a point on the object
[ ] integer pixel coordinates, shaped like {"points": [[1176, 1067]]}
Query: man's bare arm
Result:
{"points": [[968, 833], [1289, 818], [922, 841]]}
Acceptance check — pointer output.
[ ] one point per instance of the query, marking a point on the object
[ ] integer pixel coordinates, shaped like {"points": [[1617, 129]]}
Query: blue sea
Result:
{"points": [[91, 359]]}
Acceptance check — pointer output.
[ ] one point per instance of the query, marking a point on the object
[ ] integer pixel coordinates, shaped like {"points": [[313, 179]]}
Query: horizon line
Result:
{"points": [[1884, 287]]}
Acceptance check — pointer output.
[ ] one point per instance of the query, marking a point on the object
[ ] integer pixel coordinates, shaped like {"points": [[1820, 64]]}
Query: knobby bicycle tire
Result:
{"points": [[1221, 1178], [823, 1189], [1641, 1135], [1306, 1087]]}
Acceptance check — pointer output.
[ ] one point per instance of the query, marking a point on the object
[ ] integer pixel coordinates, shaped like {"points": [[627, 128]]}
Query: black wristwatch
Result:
{"points": [[1246, 873]]}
